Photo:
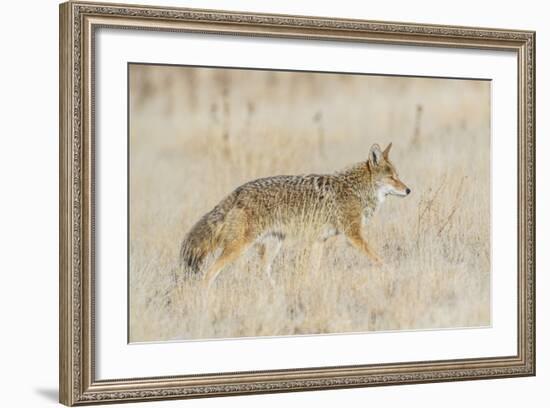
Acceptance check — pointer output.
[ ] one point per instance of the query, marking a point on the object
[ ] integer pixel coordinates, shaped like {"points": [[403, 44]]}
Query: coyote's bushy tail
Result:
{"points": [[197, 244], [204, 237]]}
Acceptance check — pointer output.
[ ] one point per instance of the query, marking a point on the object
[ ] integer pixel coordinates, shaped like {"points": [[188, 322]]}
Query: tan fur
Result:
{"points": [[278, 207]]}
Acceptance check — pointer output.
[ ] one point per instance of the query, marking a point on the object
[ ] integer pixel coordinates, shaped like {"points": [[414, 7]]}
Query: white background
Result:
{"points": [[28, 220]]}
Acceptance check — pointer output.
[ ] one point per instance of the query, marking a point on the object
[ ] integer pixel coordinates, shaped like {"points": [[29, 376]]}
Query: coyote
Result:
{"points": [[324, 205]]}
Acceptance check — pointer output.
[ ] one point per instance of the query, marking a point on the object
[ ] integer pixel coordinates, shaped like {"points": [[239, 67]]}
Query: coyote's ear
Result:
{"points": [[375, 155], [386, 151]]}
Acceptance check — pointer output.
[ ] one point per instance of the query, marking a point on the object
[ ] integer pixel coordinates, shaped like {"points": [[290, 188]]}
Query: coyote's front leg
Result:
{"points": [[355, 237]]}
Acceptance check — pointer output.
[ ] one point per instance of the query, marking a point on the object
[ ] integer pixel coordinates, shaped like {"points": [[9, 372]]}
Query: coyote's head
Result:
{"points": [[385, 178]]}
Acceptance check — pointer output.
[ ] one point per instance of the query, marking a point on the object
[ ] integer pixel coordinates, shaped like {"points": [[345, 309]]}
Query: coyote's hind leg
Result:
{"points": [[230, 252]]}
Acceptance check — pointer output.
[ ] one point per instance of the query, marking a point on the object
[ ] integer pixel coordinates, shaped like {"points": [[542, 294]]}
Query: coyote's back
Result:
{"points": [[269, 206]]}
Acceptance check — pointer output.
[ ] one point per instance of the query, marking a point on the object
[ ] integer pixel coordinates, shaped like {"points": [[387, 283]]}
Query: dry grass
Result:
{"points": [[196, 134]]}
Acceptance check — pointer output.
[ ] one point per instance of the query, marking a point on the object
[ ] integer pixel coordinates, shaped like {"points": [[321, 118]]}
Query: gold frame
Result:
{"points": [[78, 22]]}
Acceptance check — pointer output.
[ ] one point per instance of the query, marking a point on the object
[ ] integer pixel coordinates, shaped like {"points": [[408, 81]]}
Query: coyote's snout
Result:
{"points": [[277, 207]]}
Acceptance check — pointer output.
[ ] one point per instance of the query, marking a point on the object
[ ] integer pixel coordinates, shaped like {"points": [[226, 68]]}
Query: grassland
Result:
{"points": [[196, 134]]}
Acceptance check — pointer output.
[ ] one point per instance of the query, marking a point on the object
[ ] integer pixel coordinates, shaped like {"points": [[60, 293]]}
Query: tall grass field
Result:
{"points": [[196, 134]]}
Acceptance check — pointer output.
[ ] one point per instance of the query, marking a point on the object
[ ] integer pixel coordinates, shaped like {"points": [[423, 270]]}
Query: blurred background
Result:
{"points": [[198, 133]]}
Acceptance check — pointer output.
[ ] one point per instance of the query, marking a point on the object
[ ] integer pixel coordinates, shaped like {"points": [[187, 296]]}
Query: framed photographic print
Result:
{"points": [[256, 203]]}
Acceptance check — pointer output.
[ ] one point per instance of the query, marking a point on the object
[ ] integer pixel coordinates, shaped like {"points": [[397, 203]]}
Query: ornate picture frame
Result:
{"points": [[79, 22]]}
